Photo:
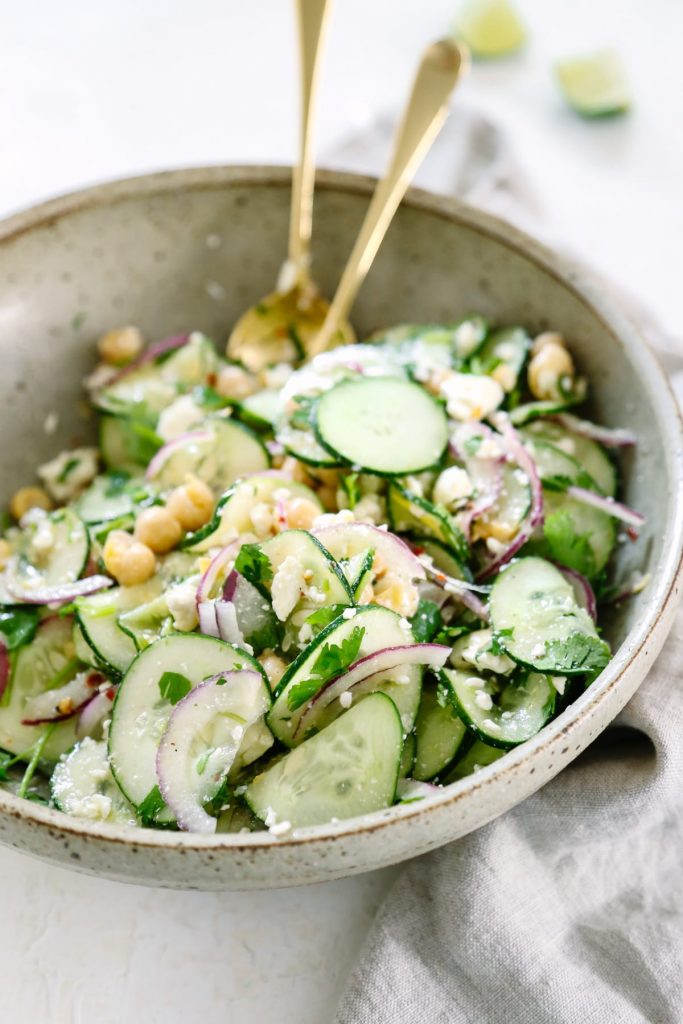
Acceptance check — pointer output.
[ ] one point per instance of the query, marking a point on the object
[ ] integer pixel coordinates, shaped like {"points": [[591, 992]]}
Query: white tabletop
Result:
{"points": [[90, 91]]}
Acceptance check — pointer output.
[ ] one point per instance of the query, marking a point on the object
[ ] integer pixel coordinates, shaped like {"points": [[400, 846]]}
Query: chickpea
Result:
{"points": [[296, 470], [400, 597], [158, 529], [235, 382], [549, 368], [120, 347], [300, 513], [328, 477], [192, 504], [328, 497], [27, 498], [128, 560], [273, 666], [5, 553], [546, 338]]}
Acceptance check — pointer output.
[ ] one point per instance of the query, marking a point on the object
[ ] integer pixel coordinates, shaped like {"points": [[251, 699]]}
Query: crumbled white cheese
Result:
{"points": [[181, 599], [262, 518], [333, 519], [276, 376], [178, 417], [483, 700], [281, 828], [370, 509], [495, 546], [69, 473], [559, 682], [470, 396], [452, 486], [346, 699], [538, 650], [287, 587], [489, 449], [521, 477], [467, 336], [566, 444], [96, 807], [44, 537], [492, 726], [349, 613], [270, 818], [475, 682], [405, 625], [477, 652]]}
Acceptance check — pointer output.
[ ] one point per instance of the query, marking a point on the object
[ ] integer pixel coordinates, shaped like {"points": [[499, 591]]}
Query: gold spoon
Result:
{"points": [[280, 326], [440, 68]]}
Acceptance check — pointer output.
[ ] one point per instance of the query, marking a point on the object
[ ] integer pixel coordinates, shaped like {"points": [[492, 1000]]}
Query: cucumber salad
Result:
{"points": [[281, 599]]}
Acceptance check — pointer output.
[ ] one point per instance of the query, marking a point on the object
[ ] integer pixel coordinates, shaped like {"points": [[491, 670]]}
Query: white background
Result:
{"points": [[94, 90]]}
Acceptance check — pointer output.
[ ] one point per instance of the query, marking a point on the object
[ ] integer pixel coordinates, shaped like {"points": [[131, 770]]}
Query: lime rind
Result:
{"points": [[490, 28], [595, 85]]}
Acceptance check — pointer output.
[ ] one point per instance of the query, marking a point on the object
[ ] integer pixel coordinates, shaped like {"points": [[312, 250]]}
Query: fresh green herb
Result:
{"points": [[442, 695], [350, 485], [68, 468], [67, 609], [449, 634], [426, 622], [580, 652], [18, 626], [208, 398], [116, 483], [295, 338], [38, 748], [495, 647], [566, 546], [303, 415], [331, 662], [558, 482], [254, 564], [151, 807], [324, 616], [266, 638], [173, 686]]}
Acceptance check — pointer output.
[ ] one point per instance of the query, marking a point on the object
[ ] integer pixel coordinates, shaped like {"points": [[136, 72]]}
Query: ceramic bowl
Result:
{"points": [[192, 249]]}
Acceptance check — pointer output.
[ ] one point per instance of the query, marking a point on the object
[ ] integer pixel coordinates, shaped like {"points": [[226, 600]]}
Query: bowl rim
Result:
{"points": [[643, 641]]}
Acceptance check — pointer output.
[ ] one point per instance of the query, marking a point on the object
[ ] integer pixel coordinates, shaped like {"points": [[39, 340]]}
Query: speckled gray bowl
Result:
{"points": [[191, 249]]}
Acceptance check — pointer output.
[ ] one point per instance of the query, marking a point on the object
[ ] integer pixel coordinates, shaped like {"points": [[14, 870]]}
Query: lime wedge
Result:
{"points": [[491, 28], [595, 85]]}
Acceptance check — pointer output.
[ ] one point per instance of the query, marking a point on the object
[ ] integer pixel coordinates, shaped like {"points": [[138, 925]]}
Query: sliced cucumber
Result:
{"points": [[83, 650], [128, 443], [261, 410], [443, 557], [505, 517], [439, 732], [48, 661], [379, 627], [576, 535], [407, 756], [503, 355], [311, 575], [219, 453], [385, 425], [233, 511], [538, 622], [349, 769], [143, 706], [410, 513], [591, 456], [554, 464], [98, 615], [502, 712], [53, 550], [303, 445], [82, 785], [530, 412], [425, 349], [477, 756], [110, 497]]}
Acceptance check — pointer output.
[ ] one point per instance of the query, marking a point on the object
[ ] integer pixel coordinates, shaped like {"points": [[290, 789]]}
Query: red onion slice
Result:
{"points": [[343, 540], [228, 627], [152, 352], [607, 436], [615, 509], [164, 454], [585, 595], [61, 594], [211, 580], [95, 711], [55, 705], [208, 623]]}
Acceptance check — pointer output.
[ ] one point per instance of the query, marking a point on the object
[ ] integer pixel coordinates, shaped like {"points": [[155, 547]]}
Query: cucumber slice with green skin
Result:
{"points": [[303, 445], [232, 516], [386, 425], [349, 769], [555, 466], [141, 710], [155, 385], [83, 786], [317, 578], [48, 661], [379, 628], [238, 818], [84, 651], [503, 356], [500, 712], [110, 498], [539, 623], [208, 735], [459, 340], [443, 557], [477, 755], [410, 513], [260, 410], [575, 534], [52, 550], [219, 453], [439, 732], [407, 756], [530, 412], [591, 456], [128, 443], [98, 615]]}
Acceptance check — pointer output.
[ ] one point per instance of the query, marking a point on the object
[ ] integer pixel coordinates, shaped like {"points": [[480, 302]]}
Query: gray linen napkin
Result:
{"points": [[569, 908]]}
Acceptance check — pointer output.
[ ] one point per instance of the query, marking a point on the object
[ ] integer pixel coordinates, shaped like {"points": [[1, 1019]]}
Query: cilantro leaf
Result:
{"points": [[151, 807], [426, 622], [567, 546], [18, 626], [254, 564], [559, 482], [324, 616], [580, 652], [350, 485], [331, 662], [173, 686]]}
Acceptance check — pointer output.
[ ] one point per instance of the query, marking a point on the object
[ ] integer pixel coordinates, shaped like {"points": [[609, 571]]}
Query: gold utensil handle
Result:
{"points": [[312, 20], [427, 108]]}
